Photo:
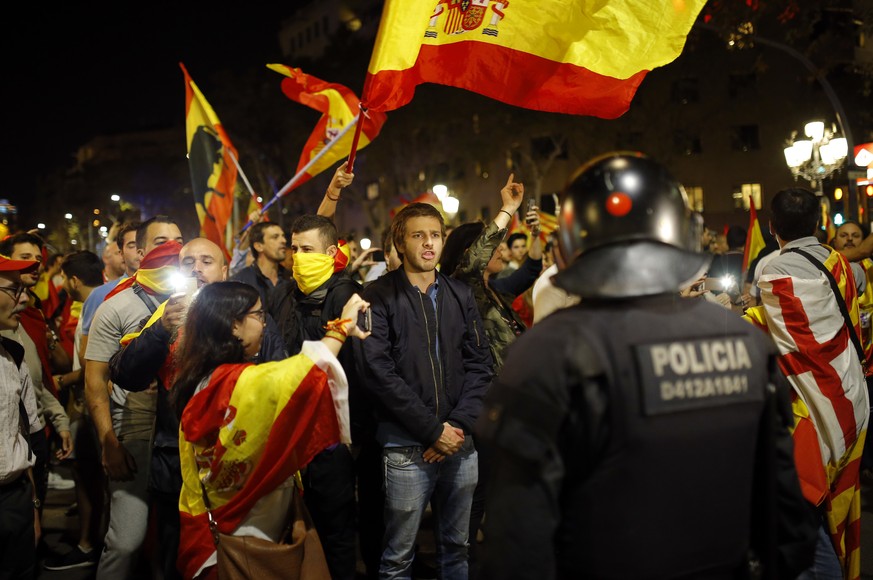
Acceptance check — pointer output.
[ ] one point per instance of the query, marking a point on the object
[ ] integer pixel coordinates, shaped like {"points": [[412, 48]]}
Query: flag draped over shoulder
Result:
{"points": [[339, 107], [582, 57], [247, 432], [211, 162], [155, 271], [754, 238], [829, 396]]}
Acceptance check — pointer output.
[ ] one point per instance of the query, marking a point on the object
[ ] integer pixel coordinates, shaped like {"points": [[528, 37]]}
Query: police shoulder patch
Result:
{"points": [[692, 374]]}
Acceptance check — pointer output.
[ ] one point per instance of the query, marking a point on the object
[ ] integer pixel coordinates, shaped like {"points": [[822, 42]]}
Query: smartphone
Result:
{"points": [[186, 286], [713, 284], [365, 320], [378, 256]]}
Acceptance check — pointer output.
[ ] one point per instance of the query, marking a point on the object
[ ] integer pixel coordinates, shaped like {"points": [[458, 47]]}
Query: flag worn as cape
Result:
{"points": [[155, 271], [247, 432], [829, 394], [213, 171], [339, 107], [754, 238], [582, 57]]}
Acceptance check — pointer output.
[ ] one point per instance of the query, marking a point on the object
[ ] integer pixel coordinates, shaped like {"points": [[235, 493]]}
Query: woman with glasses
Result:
{"points": [[245, 429]]}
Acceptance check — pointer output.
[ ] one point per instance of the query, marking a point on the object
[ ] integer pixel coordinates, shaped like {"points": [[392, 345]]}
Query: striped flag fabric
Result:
{"points": [[250, 430], [339, 107], [754, 238], [581, 57], [211, 162], [829, 398]]}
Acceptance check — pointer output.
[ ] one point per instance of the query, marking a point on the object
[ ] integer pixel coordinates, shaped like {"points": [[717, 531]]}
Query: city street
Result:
{"points": [[60, 532]]}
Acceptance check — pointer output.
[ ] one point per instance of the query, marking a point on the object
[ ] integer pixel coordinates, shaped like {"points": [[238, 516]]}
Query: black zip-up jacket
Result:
{"points": [[417, 391]]}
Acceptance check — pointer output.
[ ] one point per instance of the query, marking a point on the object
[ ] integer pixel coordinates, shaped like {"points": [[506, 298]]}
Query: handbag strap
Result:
{"points": [[213, 524], [841, 302]]}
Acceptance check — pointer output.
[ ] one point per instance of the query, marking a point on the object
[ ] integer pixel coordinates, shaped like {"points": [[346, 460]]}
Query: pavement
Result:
{"points": [[60, 533]]}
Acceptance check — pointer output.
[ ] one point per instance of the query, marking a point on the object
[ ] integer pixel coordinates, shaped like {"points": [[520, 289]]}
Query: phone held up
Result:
{"points": [[365, 320]]}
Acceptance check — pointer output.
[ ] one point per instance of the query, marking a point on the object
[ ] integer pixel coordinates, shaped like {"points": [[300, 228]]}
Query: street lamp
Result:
{"points": [[115, 197], [817, 157]]}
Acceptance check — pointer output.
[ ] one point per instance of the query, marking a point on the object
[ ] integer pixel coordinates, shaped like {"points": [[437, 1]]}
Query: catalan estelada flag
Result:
{"points": [[247, 432], [339, 107], [213, 172], [754, 238], [582, 57]]}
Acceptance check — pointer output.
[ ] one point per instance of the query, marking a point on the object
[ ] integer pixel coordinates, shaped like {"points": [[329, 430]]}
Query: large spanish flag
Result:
{"points": [[339, 107], [247, 432], [213, 171], [582, 57]]}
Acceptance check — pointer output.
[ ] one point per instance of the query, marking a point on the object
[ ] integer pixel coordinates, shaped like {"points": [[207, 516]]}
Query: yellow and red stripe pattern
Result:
{"points": [[211, 162], [754, 238], [829, 398], [248, 431], [339, 107], [155, 273], [582, 57]]}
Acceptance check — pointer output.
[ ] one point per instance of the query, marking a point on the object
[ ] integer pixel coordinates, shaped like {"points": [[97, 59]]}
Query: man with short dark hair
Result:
{"points": [[302, 313], [516, 248], [802, 311], [82, 273], [125, 421], [428, 368], [266, 274]]}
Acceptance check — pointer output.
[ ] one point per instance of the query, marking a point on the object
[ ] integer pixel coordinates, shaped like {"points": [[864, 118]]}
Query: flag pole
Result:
{"points": [[287, 187], [351, 165], [242, 174]]}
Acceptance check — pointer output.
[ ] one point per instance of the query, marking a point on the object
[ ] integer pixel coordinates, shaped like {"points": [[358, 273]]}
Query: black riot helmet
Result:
{"points": [[625, 230]]}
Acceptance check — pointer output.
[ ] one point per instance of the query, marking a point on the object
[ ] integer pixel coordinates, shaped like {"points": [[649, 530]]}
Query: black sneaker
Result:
{"points": [[75, 558]]}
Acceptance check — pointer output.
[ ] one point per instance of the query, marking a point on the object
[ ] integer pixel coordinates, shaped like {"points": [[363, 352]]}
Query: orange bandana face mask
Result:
{"points": [[311, 270]]}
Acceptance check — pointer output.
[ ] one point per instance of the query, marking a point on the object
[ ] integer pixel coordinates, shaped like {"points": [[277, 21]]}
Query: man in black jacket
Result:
{"points": [[428, 366], [266, 274]]}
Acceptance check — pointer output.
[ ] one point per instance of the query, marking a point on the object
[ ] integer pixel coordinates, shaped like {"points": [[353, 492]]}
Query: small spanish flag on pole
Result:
{"points": [[754, 238]]}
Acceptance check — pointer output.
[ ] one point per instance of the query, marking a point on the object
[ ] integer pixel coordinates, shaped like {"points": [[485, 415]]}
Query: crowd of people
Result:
{"points": [[543, 395]]}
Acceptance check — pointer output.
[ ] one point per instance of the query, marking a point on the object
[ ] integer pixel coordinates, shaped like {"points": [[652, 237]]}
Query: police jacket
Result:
{"points": [[423, 371], [644, 438]]}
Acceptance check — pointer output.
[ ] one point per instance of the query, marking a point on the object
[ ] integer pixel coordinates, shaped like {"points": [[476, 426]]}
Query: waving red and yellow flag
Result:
{"points": [[582, 57], [339, 106], [213, 171], [754, 238]]}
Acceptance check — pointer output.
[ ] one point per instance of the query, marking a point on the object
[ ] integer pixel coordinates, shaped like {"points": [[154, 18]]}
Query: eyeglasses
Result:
{"points": [[259, 314], [14, 292]]}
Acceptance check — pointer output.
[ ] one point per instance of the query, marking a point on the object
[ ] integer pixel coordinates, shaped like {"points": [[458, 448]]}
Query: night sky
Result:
{"points": [[72, 73]]}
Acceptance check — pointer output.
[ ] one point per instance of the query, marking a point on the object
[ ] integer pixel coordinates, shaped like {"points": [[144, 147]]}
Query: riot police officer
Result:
{"points": [[639, 434]]}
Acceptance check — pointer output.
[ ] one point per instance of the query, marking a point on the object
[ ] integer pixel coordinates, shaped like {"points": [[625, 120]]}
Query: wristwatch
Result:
{"points": [[36, 503]]}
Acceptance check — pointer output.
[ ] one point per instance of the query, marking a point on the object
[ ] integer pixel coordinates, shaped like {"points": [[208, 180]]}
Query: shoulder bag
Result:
{"points": [[297, 556]]}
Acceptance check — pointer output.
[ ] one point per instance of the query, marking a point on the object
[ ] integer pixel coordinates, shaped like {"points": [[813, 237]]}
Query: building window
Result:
{"points": [[739, 83], [746, 194], [695, 197], [685, 91], [745, 138], [685, 143]]}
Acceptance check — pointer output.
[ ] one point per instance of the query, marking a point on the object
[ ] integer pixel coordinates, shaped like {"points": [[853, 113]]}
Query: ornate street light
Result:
{"points": [[818, 156]]}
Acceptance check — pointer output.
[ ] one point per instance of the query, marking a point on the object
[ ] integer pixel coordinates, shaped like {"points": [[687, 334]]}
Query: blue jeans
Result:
{"points": [[826, 565], [410, 483]]}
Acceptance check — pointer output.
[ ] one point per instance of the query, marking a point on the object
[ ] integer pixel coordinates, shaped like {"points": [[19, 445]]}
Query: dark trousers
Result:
{"points": [[17, 550], [40, 446], [329, 493], [371, 505], [166, 506]]}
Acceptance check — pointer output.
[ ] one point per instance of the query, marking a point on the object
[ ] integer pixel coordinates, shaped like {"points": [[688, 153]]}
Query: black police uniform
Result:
{"points": [[642, 438]]}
